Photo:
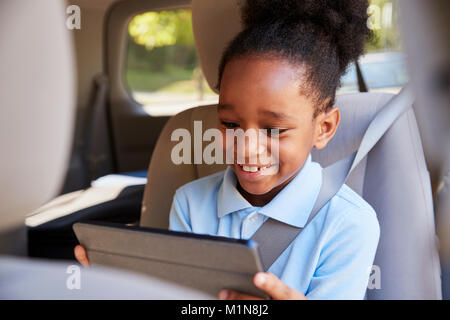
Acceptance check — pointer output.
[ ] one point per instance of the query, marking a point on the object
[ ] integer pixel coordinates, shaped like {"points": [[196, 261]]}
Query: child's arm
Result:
{"points": [[179, 214], [346, 259], [344, 265]]}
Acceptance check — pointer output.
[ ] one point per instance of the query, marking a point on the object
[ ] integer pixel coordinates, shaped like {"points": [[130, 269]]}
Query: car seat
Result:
{"points": [[393, 177]]}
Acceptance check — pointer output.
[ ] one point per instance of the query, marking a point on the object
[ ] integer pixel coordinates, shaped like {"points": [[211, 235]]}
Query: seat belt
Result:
{"points": [[98, 148], [273, 237], [362, 87]]}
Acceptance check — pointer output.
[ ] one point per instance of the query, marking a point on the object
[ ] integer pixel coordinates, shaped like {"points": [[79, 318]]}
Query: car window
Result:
{"points": [[162, 67], [163, 73], [383, 66]]}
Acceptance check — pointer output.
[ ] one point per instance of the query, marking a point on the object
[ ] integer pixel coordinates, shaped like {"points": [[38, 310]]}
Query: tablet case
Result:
{"points": [[203, 262]]}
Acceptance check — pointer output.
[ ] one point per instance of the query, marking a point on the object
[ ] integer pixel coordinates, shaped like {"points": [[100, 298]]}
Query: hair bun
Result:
{"points": [[341, 22]]}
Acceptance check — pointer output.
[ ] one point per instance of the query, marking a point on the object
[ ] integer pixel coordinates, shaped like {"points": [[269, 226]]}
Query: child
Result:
{"points": [[281, 72]]}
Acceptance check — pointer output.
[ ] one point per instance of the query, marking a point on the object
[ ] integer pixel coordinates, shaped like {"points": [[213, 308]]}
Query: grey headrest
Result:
{"points": [[215, 23], [36, 107]]}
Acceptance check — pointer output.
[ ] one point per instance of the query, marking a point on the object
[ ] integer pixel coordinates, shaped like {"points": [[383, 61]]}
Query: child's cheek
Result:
{"points": [[291, 155]]}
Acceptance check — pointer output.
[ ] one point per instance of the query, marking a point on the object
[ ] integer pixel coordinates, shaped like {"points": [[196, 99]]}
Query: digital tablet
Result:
{"points": [[203, 262]]}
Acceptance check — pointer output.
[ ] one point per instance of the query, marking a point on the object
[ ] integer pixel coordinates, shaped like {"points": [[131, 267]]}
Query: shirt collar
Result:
{"points": [[229, 199], [292, 205]]}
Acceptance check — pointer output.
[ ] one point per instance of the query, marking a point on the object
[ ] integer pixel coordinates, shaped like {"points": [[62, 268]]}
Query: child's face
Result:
{"points": [[262, 93]]}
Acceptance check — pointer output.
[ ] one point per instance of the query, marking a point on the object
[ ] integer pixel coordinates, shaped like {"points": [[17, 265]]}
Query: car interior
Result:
{"points": [[118, 165]]}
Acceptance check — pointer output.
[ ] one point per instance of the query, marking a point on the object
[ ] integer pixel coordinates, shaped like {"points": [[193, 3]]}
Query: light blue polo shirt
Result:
{"points": [[330, 259]]}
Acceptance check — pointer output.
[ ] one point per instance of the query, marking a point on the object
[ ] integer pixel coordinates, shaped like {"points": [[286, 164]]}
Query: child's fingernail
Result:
{"points": [[223, 294], [260, 279]]}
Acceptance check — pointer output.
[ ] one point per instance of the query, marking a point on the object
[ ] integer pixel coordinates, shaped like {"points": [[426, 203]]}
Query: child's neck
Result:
{"points": [[260, 200]]}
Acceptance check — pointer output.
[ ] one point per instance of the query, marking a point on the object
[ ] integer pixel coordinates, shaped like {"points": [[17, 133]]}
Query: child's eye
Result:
{"points": [[274, 131], [230, 125]]}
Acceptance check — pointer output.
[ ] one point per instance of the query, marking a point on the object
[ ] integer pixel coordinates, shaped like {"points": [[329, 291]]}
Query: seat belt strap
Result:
{"points": [[273, 237]]}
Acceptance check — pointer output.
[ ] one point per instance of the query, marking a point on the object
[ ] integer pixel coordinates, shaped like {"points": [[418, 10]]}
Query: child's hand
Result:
{"points": [[269, 283], [81, 256]]}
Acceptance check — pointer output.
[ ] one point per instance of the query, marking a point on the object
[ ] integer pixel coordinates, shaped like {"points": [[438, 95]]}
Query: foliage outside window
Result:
{"points": [[162, 67]]}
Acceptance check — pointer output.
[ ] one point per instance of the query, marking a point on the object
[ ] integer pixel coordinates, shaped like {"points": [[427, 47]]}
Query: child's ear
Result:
{"points": [[326, 126]]}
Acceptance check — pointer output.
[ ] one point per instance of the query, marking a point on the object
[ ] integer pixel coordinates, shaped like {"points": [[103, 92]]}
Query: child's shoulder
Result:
{"points": [[347, 196], [349, 208]]}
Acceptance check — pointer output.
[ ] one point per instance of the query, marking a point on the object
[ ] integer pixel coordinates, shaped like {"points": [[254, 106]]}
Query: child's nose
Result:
{"points": [[255, 147], [253, 150]]}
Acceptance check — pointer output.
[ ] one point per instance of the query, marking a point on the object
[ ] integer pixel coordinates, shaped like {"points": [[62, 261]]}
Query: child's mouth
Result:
{"points": [[252, 172], [253, 168]]}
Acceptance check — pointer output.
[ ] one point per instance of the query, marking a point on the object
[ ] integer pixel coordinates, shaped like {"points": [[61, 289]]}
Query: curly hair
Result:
{"points": [[323, 36]]}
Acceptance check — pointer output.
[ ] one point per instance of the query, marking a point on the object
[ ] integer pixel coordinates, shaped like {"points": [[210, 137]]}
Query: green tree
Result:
{"points": [[159, 29], [161, 50], [383, 21]]}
